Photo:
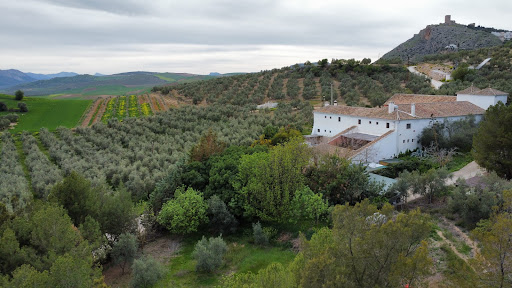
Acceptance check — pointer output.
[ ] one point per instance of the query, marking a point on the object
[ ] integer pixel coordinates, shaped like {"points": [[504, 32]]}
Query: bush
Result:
{"points": [[4, 123], [209, 254], [260, 237], [23, 107], [3, 107], [146, 271], [19, 95], [13, 118]]}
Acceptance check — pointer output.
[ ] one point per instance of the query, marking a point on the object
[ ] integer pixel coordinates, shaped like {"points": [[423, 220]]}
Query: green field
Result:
{"points": [[46, 112]]}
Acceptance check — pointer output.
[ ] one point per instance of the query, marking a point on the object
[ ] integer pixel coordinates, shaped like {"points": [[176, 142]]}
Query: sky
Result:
{"points": [[203, 36]]}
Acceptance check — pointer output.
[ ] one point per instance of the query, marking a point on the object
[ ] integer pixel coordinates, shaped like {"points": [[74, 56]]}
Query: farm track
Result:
{"points": [[103, 107], [91, 112], [152, 104]]}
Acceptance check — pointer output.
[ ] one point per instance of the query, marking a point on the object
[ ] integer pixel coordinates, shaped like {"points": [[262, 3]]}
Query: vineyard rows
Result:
{"points": [[121, 107], [135, 153]]}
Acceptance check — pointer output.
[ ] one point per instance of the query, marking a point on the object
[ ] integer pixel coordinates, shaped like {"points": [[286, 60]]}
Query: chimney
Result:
{"points": [[335, 102], [413, 109], [391, 107]]}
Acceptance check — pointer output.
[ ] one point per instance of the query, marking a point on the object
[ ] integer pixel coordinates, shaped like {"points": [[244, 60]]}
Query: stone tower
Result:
{"points": [[448, 19]]}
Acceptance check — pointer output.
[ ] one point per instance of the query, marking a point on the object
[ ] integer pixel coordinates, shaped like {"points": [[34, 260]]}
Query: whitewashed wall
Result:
{"points": [[482, 101], [331, 124]]}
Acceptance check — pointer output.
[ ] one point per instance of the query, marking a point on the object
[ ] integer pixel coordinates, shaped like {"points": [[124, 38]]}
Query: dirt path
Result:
{"points": [[436, 84], [151, 103], [103, 107], [469, 171], [90, 113]]}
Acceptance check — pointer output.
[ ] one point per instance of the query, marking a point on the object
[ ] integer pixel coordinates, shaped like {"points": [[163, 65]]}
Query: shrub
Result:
{"points": [[146, 271], [209, 253], [260, 238], [19, 95], [4, 123], [13, 118], [23, 107], [3, 107]]}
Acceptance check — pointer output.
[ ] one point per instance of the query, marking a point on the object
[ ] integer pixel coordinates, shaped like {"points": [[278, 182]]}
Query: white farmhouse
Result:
{"points": [[372, 134]]}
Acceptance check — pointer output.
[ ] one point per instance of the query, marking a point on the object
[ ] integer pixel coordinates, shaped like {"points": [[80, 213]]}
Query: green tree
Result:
{"points": [[209, 254], [73, 271], [429, 184], [146, 271], [259, 236], [3, 107], [494, 235], [366, 247], [267, 181], [28, 276], [492, 144], [220, 219], [124, 250], [184, 213], [23, 107], [18, 95], [340, 181], [77, 197], [309, 206]]}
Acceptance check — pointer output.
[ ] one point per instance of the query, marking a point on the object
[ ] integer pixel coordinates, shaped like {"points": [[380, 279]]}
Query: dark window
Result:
{"points": [[339, 119], [318, 130], [329, 131], [387, 125], [407, 140], [376, 123], [370, 122], [404, 141], [359, 121], [330, 117], [325, 117], [325, 130], [408, 126], [412, 140]]}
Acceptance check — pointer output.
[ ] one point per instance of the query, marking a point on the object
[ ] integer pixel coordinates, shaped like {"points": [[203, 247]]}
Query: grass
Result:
{"points": [[459, 161], [457, 272], [242, 257], [47, 113]]}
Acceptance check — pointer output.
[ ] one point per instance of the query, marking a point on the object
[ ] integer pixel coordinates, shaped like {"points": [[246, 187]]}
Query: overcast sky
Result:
{"points": [[112, 36]]}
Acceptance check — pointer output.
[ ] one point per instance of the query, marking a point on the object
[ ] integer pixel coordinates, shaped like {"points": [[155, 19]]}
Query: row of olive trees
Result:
{"points": [[14, 189], [43, 173]]}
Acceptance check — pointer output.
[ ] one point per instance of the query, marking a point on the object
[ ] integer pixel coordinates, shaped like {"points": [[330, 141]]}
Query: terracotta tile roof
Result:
{"points": [[423, 110], [490, 92], [417, 98], [471, 90]]}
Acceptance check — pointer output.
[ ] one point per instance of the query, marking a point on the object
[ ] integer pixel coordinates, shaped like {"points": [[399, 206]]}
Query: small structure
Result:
{"points": [[482, 98], [268, 105], [448, 20]]}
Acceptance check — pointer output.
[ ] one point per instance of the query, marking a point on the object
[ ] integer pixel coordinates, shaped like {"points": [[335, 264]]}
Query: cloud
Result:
{"points": [[120, 33]]}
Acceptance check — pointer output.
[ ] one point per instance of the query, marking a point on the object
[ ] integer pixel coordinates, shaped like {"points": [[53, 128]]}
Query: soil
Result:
{"points": [[103, 107], [90, 113]]}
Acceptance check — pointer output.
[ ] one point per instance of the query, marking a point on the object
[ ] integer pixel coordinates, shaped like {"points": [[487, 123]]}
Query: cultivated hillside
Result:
{"points": [[435, 38], [354, 83]]}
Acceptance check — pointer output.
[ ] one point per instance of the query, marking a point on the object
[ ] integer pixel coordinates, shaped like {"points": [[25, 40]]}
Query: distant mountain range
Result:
{"points": [[12, 77], [89, 85]]}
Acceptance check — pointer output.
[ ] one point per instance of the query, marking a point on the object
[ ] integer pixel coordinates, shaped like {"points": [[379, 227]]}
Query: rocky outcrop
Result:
{"points": [[436, 38]]}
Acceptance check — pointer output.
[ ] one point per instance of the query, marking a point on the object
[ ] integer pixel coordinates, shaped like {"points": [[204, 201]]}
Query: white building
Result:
{"points": [[482, 98], [372, 134]]}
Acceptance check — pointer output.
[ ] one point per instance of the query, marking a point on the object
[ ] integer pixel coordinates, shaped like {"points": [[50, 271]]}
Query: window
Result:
{"points": [[329, 131], [408, 126], [404, 141], [325, 117], [376, 123], [387, 125], [412, 140], [370, 122], [407, 140], [339, 119], [325, 130], [330, 117], [359, 121], [318, 130]]}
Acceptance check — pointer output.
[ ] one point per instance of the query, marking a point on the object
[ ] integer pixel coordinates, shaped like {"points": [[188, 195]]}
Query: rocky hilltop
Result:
{"points": [[440, 38]]}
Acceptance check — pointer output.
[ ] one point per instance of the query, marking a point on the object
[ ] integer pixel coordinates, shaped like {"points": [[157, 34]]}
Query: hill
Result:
{"points": [[117, 84], [441, 38], [50, 76], [354, 83]]}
